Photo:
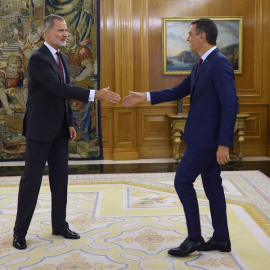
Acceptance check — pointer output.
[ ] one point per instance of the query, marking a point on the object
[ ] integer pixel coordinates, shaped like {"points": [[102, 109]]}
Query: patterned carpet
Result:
{"points": [[129, 221]]}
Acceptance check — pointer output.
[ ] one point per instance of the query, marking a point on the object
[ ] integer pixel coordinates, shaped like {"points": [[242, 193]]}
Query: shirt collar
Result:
{"points": [[204, 56], [52, 50]]}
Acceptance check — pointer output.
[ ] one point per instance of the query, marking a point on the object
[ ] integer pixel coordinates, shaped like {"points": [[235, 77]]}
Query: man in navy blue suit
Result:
{"points": [[208, 135]]}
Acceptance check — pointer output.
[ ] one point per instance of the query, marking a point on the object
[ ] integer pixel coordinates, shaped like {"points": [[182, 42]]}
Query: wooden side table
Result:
{"points": [[178, 122], [239, 135]]}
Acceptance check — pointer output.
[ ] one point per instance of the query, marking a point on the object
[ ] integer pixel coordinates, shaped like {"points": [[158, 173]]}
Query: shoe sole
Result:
{"points": [[19, 247], [221, 250], [59, 234], [184, 255]]}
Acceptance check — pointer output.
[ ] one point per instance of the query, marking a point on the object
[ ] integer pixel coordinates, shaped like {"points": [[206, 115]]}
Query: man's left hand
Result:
{"points": [[223, 155], [72, 133]]}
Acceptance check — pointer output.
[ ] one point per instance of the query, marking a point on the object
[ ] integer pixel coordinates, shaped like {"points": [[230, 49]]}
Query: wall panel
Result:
{"points": [[131, 60], [125, 146], [256, 128], [107, 131]]}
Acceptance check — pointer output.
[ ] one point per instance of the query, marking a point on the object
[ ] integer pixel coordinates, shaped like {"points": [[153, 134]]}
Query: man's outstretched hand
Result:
{"points": [[133, 98], [105, 94]]}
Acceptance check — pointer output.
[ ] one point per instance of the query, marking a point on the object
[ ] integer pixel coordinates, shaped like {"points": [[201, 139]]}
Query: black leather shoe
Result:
{"points": [[213, 244], [187, 247], [67, 233], [19, 242]]}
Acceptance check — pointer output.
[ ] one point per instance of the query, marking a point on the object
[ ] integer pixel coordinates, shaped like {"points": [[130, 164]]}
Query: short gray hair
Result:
{"points": [[49, 21]]}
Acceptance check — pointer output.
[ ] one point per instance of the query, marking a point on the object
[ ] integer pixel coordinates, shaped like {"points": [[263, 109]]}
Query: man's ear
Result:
{"points": [[203, 36], [47, 33]]}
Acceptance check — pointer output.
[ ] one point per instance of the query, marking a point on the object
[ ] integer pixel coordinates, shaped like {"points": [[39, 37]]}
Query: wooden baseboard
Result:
{"points": [[121, 155], [268, 151], [107, 153], [154, 152], [114, 154], [255, 150]]}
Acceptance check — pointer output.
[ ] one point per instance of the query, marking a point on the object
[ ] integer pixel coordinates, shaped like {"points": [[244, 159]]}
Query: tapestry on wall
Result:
{"points": [[21, 34]]}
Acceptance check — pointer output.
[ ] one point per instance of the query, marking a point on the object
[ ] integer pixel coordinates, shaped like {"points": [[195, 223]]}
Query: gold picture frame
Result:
{"points": [[176, 56]]}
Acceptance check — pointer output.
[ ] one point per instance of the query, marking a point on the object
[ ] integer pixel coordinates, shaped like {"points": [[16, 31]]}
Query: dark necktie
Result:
{"points": [[60, 64], [199, 64]]}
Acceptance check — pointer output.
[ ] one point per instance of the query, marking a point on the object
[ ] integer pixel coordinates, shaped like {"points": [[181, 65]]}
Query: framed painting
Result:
{"points": [[177, 58]]}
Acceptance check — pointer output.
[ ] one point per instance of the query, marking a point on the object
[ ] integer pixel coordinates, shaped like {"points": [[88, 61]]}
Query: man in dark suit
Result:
{"points": [[208, 135], [48, 127]]}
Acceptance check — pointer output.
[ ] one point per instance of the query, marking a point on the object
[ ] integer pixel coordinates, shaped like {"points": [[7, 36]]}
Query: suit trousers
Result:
{"points": [[37, 153], [197, 161]]}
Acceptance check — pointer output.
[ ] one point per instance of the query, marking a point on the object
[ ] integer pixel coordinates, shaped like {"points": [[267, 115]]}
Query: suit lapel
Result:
{"points": [[195, 75], [51, 59]]}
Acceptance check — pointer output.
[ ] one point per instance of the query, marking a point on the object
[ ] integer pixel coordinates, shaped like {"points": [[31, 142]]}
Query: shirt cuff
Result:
{"points": [[148, 96], [92, 95]]}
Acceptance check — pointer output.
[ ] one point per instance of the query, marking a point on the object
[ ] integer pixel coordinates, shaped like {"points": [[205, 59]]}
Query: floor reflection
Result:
{"points": [[263, 166]]}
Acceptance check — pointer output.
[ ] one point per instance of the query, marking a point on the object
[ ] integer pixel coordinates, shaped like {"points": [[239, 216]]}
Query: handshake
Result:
{"points": [[133, 98]]}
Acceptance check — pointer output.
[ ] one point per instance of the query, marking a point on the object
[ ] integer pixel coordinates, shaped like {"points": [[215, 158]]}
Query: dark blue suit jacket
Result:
{"points": [[48, 96], [213, 102]]}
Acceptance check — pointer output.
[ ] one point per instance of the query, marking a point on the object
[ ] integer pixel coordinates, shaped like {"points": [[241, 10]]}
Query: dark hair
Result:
{"points": [[49, 21], [208, 27]]}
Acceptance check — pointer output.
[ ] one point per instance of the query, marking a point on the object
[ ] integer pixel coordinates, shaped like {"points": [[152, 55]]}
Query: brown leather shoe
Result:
{"points": [[19, 242], [213, 244], [67, 233], [187, 247]]}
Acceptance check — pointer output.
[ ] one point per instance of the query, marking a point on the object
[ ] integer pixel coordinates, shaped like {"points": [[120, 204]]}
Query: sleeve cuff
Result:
{"points": [[92, 95], [148, 96]]}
